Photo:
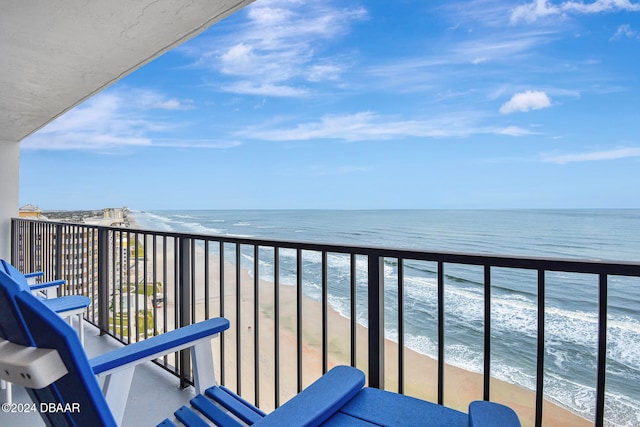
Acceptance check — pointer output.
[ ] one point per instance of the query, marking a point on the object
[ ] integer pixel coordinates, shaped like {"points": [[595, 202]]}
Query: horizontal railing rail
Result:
{"points": [[143, 283]]}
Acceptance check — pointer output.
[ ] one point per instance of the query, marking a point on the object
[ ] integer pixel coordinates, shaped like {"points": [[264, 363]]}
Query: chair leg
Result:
{"points": [[6, 386], [203, 370], [116, 391], [81, 328]]}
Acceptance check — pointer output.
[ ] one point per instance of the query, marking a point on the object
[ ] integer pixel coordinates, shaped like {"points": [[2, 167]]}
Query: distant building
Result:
{"points": [[113, 213], [114, 217], [31, 212], [70, 251]]}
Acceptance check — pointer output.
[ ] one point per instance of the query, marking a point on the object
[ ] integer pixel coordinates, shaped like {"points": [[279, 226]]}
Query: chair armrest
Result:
{"points": [[117, 366], [490, 414], [31, 277], [46, 285], [133, 354], [318, 402]]}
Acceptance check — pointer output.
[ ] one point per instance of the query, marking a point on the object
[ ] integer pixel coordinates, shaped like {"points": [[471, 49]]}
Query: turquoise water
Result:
{"points": [[571, 301]]}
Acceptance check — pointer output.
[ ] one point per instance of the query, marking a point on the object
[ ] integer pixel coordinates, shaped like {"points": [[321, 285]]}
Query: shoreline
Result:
{"points": [[460, 388]]}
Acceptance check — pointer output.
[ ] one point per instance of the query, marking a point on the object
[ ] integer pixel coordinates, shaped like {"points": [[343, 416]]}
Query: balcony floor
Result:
{"points": [[154, 395]]}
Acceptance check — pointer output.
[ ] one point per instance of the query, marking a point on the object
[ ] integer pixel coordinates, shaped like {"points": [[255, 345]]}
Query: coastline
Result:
{"points": [[461, 386]]}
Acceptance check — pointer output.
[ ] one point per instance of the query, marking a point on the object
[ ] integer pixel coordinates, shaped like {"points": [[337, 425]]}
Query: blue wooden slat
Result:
{"points": [[489, 414], [214, 413], [318, 402], [396, 410], [67, 303], [235, 404], [189, 418]]}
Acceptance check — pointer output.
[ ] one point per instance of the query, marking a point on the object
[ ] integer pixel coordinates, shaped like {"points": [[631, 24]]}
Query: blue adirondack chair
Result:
{"points": [[64, 374], [59, 372], [66, 306]]}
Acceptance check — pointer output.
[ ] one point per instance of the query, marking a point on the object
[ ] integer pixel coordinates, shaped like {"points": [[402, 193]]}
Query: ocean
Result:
{"points": [[571, 300]]}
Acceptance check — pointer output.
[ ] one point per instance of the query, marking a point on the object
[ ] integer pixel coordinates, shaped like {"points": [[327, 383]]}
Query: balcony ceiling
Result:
{"points": [[57, 53]]}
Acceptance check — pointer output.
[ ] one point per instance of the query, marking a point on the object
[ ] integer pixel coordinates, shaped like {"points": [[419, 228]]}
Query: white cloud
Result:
{"points": [[600, 6], [370, 126], [540, 8], [514, 131], [108, 122], [534, 10], [457, 62], [98, 124], [238, 59], [245, 87], [526, 101], [614, 154], [150, 99], [625, 31], [195, 143], [324, 72], [280, 47]]}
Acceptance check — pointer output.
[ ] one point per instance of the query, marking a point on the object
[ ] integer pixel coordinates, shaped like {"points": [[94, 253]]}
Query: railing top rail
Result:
{"points": [[572, 265]]}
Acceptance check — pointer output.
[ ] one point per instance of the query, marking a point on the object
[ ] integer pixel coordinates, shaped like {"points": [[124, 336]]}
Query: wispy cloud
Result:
{"points": [[111, 121], [501, 46], [456, 63], [195, 143], [145, 99], [489, 13], [591, 156], [624, 32], [370, 126], [542, 8], [514, 131], [279, 50], [526, 101], [325, 170], [247, 87]]}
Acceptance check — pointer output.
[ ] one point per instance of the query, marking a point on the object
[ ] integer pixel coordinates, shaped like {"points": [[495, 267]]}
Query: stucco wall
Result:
{"points": [[9, 192]]}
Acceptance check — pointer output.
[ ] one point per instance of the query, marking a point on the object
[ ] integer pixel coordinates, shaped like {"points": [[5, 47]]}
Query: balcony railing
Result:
{"points": [[144, 283]]}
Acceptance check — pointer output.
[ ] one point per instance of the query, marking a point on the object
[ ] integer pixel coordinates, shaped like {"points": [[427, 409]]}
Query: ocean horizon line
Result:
{"points": [[136, 209]]}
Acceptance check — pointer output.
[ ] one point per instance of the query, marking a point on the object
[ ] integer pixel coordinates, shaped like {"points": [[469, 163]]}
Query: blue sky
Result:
{"points": [[364, 105]]}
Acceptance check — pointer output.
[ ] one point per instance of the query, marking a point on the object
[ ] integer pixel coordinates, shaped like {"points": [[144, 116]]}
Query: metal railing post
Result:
{"points": [[376, 319], [487, 333], [32, 250], [602, 349], [58, 255], [540, 348], [183, 304], [103, 280]]}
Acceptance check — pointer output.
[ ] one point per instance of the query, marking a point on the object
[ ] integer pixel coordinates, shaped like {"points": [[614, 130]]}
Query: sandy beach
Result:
{"points": [[461, 386]]}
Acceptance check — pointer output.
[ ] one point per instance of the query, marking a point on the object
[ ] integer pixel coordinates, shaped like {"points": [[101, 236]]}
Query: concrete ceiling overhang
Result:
{"points": [[57, 53]]}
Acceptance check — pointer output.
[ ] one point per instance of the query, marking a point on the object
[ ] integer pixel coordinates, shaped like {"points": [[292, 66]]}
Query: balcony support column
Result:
{"points": [[103, 280], [9, 193], [376, 320], [183, 304]]}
